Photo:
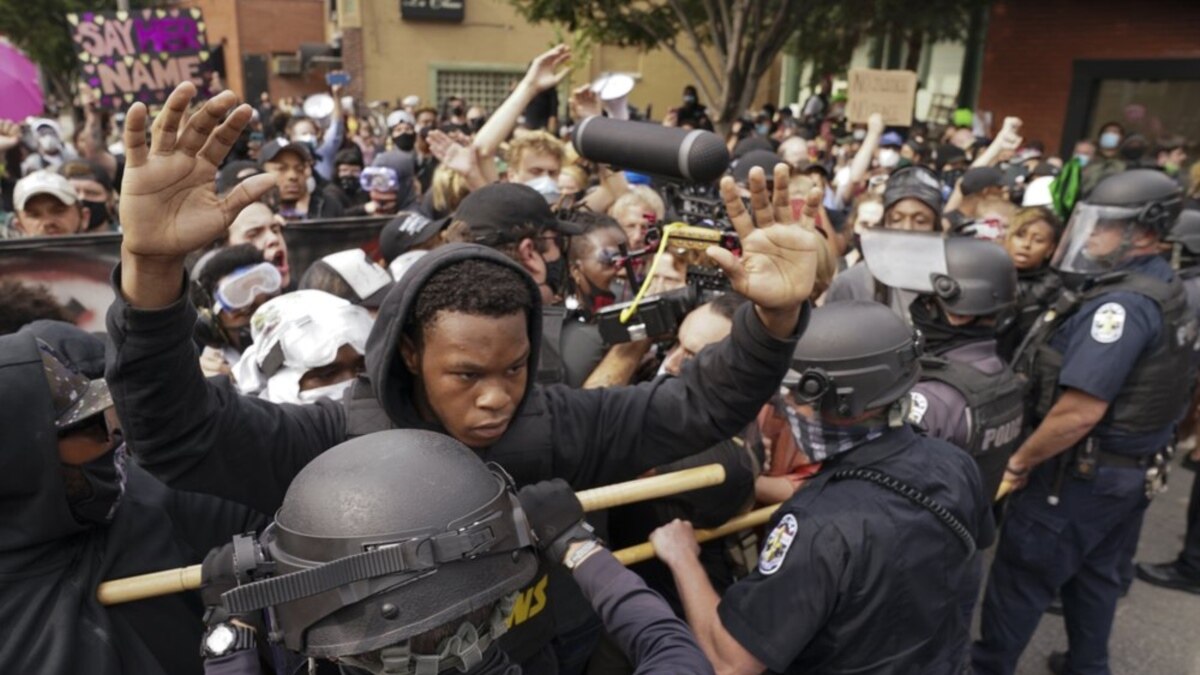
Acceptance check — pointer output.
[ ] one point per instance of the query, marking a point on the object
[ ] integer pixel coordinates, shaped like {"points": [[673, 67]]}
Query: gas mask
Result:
{"points": [[546, 186], [96, 487]]}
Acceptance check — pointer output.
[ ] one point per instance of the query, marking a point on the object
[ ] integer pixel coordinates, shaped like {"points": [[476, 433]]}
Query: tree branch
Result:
{"points": [[719, 25], [690, 30], [691, 68]]}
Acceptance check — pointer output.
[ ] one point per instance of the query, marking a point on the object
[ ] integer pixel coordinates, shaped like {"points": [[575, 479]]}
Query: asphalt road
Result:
{"points": [[1157, 631]]}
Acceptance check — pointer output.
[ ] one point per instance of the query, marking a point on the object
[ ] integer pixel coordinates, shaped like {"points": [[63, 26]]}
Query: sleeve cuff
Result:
{"points": [[178, 319], [750, 335]]}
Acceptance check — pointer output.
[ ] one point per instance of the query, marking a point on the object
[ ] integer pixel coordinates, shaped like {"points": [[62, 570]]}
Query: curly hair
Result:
{"points": [[24, 303], [476, 287]]}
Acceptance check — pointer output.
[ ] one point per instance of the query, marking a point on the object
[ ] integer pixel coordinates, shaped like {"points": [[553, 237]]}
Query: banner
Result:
{"points": [[140, 55], [76, 268], [890, 93]]}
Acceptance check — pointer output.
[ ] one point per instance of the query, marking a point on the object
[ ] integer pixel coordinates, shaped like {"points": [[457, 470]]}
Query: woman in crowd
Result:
{"points": [[1031, 239]]}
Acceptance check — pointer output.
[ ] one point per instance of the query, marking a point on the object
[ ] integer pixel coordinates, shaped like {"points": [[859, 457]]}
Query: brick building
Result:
{"points": [[1066, 67]]}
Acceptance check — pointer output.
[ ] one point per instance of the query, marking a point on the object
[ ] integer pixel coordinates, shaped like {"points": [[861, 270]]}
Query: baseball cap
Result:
{"points": [[761, 158], [43, 182], [405, 231], [368, 282], [913, 182], [271, 150], [235, 172], [980, 178], [501, 212], [74, 396], [891, 139]]}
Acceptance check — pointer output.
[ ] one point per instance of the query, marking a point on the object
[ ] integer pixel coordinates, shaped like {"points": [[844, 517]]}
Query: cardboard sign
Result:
{"points": [[140, 55], [890, 93]]}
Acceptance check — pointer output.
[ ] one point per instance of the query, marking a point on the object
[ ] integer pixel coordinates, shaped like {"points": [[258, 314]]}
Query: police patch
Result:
{"points": [[1108, 323], [920, 405], [778, 543]]}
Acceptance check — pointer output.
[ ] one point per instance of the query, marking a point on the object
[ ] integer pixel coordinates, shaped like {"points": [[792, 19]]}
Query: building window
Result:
{"points": [[487, 87], [1156, 109]]}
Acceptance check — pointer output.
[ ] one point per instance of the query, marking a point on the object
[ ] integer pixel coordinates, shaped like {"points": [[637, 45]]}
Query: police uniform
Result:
{"points": [[968, 397], [856, 578], [1069, 529]]}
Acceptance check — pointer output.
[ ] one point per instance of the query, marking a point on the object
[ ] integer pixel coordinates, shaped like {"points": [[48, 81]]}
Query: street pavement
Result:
{"points": [[1157, 631]]}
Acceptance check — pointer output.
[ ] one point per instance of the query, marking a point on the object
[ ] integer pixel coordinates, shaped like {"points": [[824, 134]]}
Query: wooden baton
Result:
{"points": [[188, 578], [643, 552]]}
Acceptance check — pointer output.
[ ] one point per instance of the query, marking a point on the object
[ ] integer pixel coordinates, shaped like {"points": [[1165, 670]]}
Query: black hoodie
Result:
{"points": [[50, 564], [201, 435]]}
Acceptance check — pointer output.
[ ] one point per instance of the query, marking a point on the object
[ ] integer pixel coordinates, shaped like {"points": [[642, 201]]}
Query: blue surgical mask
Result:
{"points": [[1110, 140], [763, 129], [1083, 160]]}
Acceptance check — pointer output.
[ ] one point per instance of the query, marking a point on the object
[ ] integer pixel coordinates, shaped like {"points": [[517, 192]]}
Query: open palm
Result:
{"points": [[169, 206]]}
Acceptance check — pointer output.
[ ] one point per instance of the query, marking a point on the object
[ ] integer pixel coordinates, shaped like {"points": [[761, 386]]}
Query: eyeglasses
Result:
{"points": [[379, 179], [238, 290]]}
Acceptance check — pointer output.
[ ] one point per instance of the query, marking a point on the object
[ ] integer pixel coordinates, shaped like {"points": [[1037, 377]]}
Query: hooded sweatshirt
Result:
{"points": [[50, 564], [201, 435]]}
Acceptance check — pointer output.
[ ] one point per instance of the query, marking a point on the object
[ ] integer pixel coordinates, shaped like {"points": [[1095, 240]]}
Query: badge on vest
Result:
{"points": [[919, 406], [778, 543], [1108, 323]]}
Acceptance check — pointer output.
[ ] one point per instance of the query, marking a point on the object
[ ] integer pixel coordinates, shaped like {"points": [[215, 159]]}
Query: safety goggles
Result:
{"points": [[238, 290], [379, 179]]}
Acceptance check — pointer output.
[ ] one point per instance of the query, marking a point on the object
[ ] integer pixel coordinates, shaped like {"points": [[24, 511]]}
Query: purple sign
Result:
{"points": [[141, 55]]}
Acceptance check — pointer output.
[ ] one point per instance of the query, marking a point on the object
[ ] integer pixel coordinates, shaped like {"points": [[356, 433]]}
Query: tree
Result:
{"points": [[726, 45], [40, 29]]}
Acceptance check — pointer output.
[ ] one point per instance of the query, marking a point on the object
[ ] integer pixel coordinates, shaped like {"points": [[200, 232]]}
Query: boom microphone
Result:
{"points": [[695, 156]]}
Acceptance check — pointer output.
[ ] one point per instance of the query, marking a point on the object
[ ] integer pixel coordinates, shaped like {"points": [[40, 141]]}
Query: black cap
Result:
{"points": [[950, 153], [980, 178], [761, 158], [231, 174], [915, 182], [500, 213], [405, 231], [271, 150], [749, 145], [351, 155]]}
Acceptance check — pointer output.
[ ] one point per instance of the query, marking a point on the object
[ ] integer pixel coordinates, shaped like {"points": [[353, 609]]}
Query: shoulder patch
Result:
{"points": [[920, 405], [778, 543], [1108, 323]]}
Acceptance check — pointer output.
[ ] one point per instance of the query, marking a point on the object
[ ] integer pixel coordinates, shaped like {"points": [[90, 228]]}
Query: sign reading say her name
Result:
{"points": [[432, 10], [140, 55]]}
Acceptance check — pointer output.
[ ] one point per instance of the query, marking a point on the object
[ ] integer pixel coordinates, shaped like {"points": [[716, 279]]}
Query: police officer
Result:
{"points": [[420, 568], [1109, 364], [886, 529], [967, 395]]}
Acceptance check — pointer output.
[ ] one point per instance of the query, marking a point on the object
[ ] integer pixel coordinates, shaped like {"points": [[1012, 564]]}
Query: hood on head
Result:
{"points": [[32, 492], [390, 380]]}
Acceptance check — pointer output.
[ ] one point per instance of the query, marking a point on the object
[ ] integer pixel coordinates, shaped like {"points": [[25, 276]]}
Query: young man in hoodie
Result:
{"points": [[452, 351]]}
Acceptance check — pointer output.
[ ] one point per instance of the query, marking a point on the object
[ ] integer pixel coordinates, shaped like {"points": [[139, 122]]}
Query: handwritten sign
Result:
{"points": [[140, 55], [888, 92], [432, 10]]}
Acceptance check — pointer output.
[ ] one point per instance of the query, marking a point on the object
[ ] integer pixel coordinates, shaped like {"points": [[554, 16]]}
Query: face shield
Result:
{"points": [[1097, 239], [912, 261]]}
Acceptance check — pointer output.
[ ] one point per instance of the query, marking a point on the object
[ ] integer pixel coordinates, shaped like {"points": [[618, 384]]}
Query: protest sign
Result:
{"points": [[140, 55], [888, 92]]}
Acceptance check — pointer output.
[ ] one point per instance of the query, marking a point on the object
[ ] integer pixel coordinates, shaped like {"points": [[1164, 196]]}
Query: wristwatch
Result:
{"points": [[225, 638]]}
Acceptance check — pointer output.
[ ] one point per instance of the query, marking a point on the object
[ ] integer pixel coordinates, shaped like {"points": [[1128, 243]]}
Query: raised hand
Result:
{"points": [[543, 73], [457, 156], [779, 258], [169, 206], [585, 103], [875, 124]]}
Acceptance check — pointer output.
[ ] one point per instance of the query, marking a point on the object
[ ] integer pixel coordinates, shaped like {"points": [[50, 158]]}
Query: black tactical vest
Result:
{"points": [[1159, 386], [995, 413]]}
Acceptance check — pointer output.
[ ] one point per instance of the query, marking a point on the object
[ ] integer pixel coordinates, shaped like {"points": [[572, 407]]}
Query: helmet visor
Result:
{"points": [[907, 260], [238, 290], [1096, 239]]}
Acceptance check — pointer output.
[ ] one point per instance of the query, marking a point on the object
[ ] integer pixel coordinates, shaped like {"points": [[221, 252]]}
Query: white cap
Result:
{"points": [[411, 101], [361, 273], [404, 261], [43, 183], [399, 117]]}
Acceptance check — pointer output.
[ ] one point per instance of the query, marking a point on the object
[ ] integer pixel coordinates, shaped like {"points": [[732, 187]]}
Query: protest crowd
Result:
{"points": [[959, 366]]}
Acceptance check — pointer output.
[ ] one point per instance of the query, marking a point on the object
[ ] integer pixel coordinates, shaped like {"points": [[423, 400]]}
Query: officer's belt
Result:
{"points": [[1113, 460]]}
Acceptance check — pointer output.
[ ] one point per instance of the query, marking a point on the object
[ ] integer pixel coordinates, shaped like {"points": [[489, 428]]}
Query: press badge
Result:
{"points": [[778, 543]]}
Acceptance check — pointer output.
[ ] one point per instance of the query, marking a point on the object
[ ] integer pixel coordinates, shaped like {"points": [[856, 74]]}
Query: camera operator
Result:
{"points": [[451, 351]]}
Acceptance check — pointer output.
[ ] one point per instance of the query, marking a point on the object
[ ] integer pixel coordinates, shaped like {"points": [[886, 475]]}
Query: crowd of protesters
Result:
{"points": [[225, 386]]}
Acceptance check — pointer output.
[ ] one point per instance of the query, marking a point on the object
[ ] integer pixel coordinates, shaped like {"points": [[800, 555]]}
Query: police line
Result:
{"points": [[154, 584], [76, 268]]}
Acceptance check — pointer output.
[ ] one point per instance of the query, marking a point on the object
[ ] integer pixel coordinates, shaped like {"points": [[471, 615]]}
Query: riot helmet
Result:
{"points": [[853, 357], [386, 537], [1185, 235], [1101, 232]]}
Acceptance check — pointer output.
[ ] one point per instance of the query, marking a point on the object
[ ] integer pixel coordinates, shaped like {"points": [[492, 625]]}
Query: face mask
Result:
{"points": [[105, 477], [822, 442], [689, 100], [555, 271], [349, 184], [49, 144], [333, 392], [763, 129], [939, 335], [97, 214], [546, 186], [1082, 159], [405, 141], [888, 158], [859, 134], [308, 139], [1110, 140]]}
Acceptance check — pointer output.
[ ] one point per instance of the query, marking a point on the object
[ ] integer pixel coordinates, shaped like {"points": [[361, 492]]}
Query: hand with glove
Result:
{"points": [[224, 633], [556, 516]]}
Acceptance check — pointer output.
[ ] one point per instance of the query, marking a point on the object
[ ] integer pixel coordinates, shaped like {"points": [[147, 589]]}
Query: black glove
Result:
{"points": [[556, 516], [217, 576]]}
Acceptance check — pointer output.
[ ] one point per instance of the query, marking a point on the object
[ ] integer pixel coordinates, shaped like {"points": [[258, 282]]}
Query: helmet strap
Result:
{"points": [[463, 651]]}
